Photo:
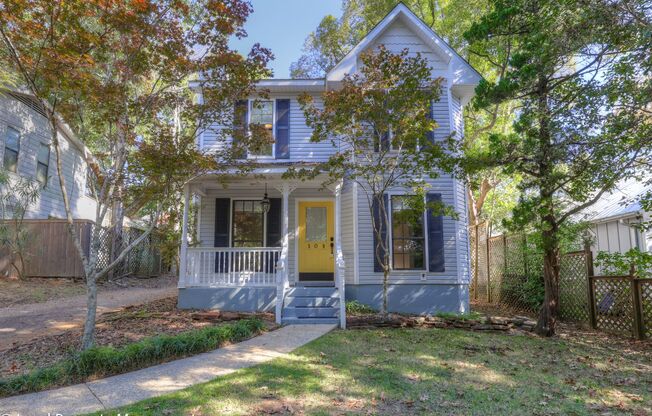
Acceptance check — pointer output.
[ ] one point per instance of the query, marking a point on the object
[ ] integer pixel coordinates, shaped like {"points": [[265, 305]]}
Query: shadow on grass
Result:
{"points": [[424, 371]]}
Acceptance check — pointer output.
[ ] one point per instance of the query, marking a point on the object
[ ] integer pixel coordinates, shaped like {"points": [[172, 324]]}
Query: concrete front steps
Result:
{"points": [[311, 305]]}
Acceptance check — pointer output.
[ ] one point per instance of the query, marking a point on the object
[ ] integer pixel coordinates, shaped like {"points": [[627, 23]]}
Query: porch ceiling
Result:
{"points": [[273, 178]]}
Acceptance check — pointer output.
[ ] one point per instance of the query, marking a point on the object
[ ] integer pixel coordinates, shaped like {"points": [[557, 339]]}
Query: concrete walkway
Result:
{"points": [[22, 323], [154, 381]]}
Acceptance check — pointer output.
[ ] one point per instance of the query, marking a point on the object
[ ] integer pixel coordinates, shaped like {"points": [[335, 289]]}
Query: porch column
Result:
{"points": [[282, 275], [339, 256], [184, 239]]}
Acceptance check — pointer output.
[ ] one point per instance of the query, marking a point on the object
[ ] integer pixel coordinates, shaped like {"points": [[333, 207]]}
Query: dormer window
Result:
{"points": [[261, 120]]}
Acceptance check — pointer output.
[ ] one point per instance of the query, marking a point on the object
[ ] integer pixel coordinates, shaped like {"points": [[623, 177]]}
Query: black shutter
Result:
{"points": [[380, 221], [222, 220], [430, 136], [283, 129], [240, 127], [274, 223], [435, 236], [383, 143]]}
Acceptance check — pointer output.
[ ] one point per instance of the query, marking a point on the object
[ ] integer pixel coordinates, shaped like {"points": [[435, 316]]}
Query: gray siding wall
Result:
{"points": [[34, 130], [443, 185], [301, 149], [348, 231], [619, 236], [398, 36]]}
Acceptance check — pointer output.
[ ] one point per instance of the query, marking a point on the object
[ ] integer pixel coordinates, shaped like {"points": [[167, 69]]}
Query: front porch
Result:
{"points": [[246, 256]]}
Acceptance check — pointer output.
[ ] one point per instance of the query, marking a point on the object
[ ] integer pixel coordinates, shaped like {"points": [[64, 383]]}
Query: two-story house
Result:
{"points": [[272, 244], [26, 151], [27, 155]]}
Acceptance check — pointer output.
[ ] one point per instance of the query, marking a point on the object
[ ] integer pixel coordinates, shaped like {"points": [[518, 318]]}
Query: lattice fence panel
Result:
{"points": [[104, 252], [496, 264], [143, 260], [482, 266], [645, 293], [613, 304], [474, 254], [573, 287]]}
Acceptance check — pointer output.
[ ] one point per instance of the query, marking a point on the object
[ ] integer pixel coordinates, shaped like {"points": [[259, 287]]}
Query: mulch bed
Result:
{"points": [[484, 323], [115, 329]]}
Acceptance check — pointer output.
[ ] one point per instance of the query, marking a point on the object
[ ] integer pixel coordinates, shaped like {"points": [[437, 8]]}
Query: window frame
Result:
{"points": [[250, 103], [232, 223], [47, 166], [6, 147], [390, 230]]}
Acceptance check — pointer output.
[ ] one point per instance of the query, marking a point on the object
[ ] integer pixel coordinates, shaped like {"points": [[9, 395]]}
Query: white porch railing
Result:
{"points": [[230, 267]]}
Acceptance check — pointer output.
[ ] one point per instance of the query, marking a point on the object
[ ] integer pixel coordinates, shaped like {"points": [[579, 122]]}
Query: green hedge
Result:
{"points": [[104, 361]]}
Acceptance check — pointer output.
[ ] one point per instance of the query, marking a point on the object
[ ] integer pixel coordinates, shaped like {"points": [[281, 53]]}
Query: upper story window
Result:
{"points": [[262, 119], [43, 163], [408, 238], [12, 148]]}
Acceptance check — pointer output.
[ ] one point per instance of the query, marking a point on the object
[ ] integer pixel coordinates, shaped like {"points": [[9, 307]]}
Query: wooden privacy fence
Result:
{"points": [[50, 251], [506, 270]]}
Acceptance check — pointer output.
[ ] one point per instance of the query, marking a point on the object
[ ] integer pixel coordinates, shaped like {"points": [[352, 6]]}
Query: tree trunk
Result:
{"points": [[88, 337], [550, 308], [384, 309]]}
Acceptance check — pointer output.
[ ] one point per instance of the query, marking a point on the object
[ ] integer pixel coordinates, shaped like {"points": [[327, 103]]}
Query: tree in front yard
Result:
{"points": [[579, 71], [490, 194], [16, 196], [119, 74], [380, 120]]}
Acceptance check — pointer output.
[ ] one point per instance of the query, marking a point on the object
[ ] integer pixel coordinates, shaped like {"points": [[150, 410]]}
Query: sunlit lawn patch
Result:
{"points": [[421, 371]]}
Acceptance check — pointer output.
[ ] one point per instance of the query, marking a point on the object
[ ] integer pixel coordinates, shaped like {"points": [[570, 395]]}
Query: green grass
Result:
{"points": [[427, 371], [104, 361]]}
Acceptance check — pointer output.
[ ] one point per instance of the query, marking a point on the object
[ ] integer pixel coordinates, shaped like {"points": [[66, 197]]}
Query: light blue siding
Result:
{"points": [[34, 130]]}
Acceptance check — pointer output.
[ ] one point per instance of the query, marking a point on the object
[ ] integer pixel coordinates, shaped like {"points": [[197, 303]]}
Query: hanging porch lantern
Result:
{"points": [[264, 203]]}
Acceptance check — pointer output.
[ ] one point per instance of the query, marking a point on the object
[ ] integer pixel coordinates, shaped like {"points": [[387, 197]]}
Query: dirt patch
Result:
{"points": [[131, 324], [30, 290]]}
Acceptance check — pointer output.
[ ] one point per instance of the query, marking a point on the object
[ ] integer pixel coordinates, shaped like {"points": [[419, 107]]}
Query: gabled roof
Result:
{"points": [[619, 203], [461, 72]]}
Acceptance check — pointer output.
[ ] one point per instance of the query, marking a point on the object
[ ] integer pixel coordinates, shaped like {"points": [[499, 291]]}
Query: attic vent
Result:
{"points": [[29, 102]]}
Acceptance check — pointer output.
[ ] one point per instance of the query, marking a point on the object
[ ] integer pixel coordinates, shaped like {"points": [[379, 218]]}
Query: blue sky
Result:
{"points": [[282, 26]]}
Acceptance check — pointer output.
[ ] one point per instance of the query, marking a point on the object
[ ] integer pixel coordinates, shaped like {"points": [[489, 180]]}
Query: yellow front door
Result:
{"points": [[316, 240]]}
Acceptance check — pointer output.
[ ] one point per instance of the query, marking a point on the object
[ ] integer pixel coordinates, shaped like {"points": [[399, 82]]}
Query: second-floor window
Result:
{"points": [[43, 163], [262, 117], [12, 148]]}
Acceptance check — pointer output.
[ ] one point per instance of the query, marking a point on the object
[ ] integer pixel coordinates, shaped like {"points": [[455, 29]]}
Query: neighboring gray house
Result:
{"points": [[614, 220], [26, 151], [304, 249]]}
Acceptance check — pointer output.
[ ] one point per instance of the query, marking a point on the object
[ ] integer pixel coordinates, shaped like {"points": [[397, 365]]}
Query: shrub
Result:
{"points": [[104, 361], [354, 307], [621, 263]]}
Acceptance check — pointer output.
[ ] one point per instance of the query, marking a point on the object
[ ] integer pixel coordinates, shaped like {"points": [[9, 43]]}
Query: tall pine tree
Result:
{"points": [[579, 69]]}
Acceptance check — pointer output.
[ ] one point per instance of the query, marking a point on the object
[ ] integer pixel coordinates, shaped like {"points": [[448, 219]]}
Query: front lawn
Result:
{"points": [[431, 371]]}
